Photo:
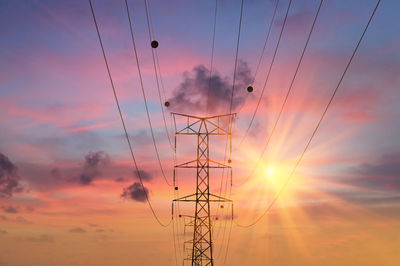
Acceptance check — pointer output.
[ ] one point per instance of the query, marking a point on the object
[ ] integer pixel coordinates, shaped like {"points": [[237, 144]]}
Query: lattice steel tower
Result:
{"points": [[203, 128]]}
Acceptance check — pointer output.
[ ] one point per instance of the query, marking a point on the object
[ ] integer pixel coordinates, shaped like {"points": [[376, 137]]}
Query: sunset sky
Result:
{"points": [[69, 192]]}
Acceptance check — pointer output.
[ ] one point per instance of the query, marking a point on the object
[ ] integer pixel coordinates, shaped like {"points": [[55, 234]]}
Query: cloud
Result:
{"points": [[371, 199], [135, 192], [10, 209], [41, 177], [383, 174], [91, 170], [9, 179], [93, 225], [2, 217], [3, 232], [192, 92], [77, 230]]}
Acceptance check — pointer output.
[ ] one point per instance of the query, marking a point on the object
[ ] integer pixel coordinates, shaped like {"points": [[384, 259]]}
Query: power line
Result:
{"points": [[236, 57], [233, 87], [318, 124], [173, 235], [286, 97], [233, 81], [233, 84], [228, 242], [123, 122], [256, 71], [266, 41], [156, 53], [263, 50], [212, 55], [155, 64], [268, 74], [151, 34], [223, 213], [231, 105], [226, 222], [144, 96], [175, 213]]}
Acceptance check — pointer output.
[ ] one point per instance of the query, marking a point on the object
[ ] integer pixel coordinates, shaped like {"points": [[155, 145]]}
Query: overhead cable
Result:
{"points": [[269, 207], [144, 97], [123, 123]]}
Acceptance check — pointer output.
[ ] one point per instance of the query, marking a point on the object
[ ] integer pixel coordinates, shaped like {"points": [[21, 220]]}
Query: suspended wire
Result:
{"points": [[155, 64], [156, 55], [151, 35], [161, 79], [266, 41], [144, 96], [233, 87], [174, 213], [236, 59], [286, 97], [256, 71], [123, 122], [267, 77], [318, 124], [178, 212], [212, 56], [223, 215], [225, 224], [173, 235], [228, 242], [230, 110], [231, 100], [164, 94], [228, 173], [178, 226], [262, 52]]}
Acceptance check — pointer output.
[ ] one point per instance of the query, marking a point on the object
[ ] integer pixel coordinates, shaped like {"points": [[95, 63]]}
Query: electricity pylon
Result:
{"points": [[203, 128]]}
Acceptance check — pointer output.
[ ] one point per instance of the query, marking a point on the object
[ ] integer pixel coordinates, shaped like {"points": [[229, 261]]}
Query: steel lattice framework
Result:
{"points": [[203, 128]]}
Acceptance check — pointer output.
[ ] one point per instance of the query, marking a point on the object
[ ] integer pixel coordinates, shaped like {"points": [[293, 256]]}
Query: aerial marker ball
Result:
{"points": [[229, 160], [166, 104], [180, 215], [249, 88], [176, 188], [222, 206], [154, 44]]}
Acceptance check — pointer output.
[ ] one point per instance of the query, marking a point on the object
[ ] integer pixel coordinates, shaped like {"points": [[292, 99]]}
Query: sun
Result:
{"points": [[270, 171]]}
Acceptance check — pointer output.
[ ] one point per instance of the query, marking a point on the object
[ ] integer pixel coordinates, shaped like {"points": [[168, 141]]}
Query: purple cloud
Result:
{"points": [[192, 92], [91, 168], [9, 179], [135, 192]]}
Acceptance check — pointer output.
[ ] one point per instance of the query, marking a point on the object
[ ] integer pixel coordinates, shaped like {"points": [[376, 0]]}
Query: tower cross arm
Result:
{"points": [[212, 198], [212, 125]]}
